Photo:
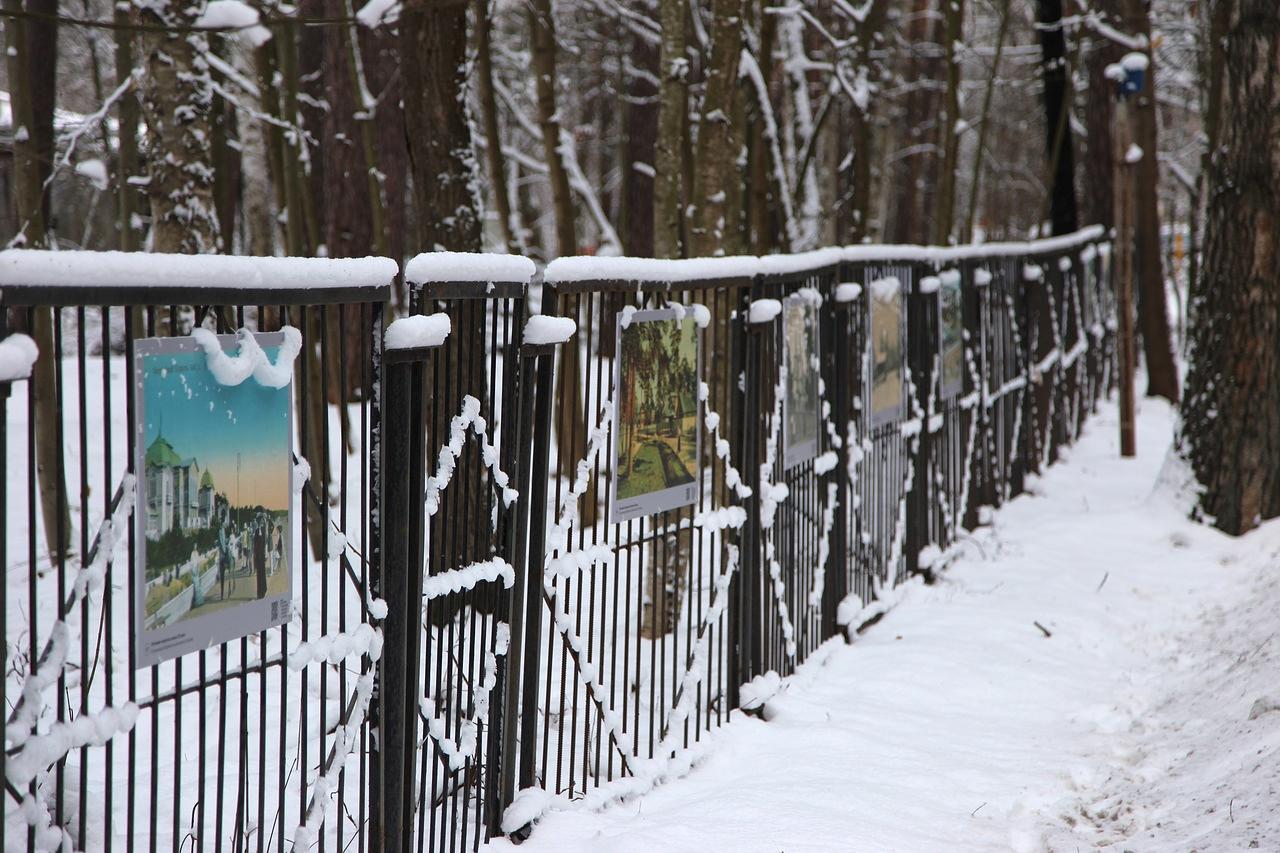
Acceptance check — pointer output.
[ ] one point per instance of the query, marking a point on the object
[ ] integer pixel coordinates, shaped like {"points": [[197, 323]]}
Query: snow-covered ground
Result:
{"points": [[957, 723]]}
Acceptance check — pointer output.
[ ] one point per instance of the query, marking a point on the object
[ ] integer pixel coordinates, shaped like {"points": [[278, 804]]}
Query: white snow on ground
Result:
{"points": [[956, 724]]}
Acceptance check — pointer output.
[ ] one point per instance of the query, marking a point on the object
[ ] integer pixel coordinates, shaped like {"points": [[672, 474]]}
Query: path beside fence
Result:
{"points": [[956, 724]]}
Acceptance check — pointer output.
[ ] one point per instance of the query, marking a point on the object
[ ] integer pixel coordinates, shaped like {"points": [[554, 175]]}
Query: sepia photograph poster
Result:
{"points": [[800, 396], [656, 437], [951, 333], [214, 492], [887, 380]]}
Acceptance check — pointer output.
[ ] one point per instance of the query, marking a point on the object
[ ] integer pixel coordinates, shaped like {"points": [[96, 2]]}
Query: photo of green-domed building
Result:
{"points": [[215, 491]]}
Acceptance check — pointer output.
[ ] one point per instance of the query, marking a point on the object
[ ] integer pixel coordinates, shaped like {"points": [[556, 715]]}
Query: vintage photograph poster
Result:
{"points": [[800, 397], [887, 380], [951, 333], [656, 436], [214, 491]]}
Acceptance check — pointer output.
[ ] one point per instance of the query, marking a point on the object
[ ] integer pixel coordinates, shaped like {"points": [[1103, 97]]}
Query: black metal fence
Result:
{"points": [[475, 637]]}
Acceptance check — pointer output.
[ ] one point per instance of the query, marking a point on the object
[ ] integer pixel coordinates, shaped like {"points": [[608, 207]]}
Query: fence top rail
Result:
{"points": [[973, 251], [575, 273], [43, 277], [468, 268]]}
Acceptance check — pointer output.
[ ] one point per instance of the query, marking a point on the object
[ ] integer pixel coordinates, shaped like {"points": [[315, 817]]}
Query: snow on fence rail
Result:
{"points": [[530, 653]]}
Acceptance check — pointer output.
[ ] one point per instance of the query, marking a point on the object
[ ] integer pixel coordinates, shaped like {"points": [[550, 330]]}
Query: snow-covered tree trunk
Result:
{"points": [[673, 105], [433, 57], [1230, 429], [177, 102], [256, 193], [716, 157]]}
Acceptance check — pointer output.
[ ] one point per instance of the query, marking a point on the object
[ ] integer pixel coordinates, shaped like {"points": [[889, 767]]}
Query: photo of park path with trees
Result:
{"points": [[800, 328], [656, 450], [886, 350], [952, 334]]}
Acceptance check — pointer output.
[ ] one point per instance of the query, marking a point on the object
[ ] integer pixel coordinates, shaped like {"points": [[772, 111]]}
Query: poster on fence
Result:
{"points": [[800, 397], [212, 516], [887, 367], [656, 439], [951, 333]]}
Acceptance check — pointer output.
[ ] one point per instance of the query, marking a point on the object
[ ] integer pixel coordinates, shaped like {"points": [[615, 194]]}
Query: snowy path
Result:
{"points": [[955, 724]]}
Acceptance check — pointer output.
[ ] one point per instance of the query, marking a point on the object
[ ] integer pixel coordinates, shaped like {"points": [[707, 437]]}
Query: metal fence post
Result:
{"points": [[543, 394], [403, 469], [837, 358], [748, 654], [502, 766], [921, 343]]}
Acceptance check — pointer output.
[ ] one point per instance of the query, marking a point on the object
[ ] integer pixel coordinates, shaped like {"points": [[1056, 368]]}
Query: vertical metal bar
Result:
{"points": [[747, 653], [536, 555], [505, 727], [398, 503], [836, 357]]}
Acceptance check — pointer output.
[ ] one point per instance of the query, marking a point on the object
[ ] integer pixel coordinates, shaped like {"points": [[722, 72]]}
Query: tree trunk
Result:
{"points": [[673, 105], [1230, 431], [256, 198], [542, 31], [1058, 148], [716, 157], [498, 189], [641, 132], [127, 133], [347, 226], [1099, 115], [177, 101], [914, 173], [433, 57], [1153, 310], [870, 34], [953, 14], [32, 69], [980, 149]]}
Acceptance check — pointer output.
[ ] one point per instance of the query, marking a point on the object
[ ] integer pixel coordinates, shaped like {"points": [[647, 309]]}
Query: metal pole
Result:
{"points": [[748, 658], [505, 726], [838, 358], [401, 567]]}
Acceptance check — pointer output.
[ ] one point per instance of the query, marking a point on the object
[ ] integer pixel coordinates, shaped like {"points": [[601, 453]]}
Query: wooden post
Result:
{"points": [[1122, 136]]}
